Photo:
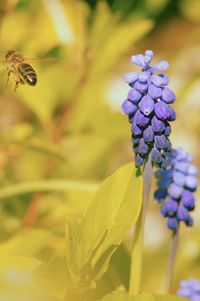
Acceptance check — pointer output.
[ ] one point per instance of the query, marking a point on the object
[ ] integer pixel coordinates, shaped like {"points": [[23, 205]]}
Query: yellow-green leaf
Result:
{"points": [[17, 281], [169, 298], [123, 296], [27, 243], [54, 276], [111, 212], [116, 296]]}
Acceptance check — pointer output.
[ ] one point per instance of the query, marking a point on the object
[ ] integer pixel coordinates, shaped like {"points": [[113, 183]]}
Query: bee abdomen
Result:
{"points": [[27, 73]]}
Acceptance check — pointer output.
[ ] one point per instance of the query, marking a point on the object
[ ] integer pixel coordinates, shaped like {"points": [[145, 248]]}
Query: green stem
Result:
{"points": [[46, 185], [171, 262], [137, 251]]}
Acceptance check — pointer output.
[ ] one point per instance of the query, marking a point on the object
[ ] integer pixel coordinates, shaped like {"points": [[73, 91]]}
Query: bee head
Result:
{"points": [[10, 53]]}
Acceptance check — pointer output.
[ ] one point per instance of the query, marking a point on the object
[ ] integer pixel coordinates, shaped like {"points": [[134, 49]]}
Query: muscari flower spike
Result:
{"points": [[148, 108], [190, 289], [176, 185]]}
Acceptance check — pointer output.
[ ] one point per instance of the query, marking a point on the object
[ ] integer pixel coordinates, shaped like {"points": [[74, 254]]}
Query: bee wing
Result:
{"points": [[45, 59]]}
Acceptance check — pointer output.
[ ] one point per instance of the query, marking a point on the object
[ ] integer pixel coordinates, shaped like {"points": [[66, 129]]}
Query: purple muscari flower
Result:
{"points": [[139, 160], [167, 130], [141, 120], [176, 184], [161, 66], [160, 195], [156, 156], [146, 105], [162, 110], [138, 60], [161, 142], [175, 191], [143, 76], [154, 92], [164, 183], [148, 134], [179, 178], [136, 130], [135, 140], [157, 80], [189, 221], [182, 214], [182, 166], [192, 170], [134, 96], [143, 147], [141, 86], [131, 77], [148, 110], [169, 208], [129, 107], [188, 200], [172, 223], [165, 79], [158, 126], [172, 114], [191, 183], [190, 289], [168, 95]]}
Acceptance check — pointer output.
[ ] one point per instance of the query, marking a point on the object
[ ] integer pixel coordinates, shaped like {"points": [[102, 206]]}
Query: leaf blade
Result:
{"points": [[107, 218]]}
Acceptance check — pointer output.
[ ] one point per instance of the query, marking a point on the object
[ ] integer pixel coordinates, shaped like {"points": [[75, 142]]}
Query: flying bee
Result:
{"points": [[22, 72], [16, 65]]}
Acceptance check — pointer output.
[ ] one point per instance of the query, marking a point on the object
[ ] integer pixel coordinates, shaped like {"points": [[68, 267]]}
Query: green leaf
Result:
{"points": [[27, 242], [17, 280], [142, 297], [123, 296], [46, 185], [119, 37], [55, 276], [169, 298], [111, 212], [116, 296]]}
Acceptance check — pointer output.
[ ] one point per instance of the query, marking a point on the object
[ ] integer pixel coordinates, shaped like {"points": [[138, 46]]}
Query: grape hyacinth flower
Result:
{"points": [[190, 289], [148, 108], [176, 185]]}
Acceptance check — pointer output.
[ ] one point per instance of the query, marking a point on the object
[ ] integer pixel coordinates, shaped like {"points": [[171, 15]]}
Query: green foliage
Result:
{"points": [[60, 139], [108, 217], [17, 281], [123, 296]]}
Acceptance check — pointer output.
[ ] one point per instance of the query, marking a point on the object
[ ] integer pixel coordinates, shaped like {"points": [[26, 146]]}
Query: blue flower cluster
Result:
{"points": [[190, 289], [148, 108], [176, 185]]}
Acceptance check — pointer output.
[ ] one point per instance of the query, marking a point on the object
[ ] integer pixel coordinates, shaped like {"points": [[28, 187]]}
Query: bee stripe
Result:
{"points": [[30, 74], [27, 73]]}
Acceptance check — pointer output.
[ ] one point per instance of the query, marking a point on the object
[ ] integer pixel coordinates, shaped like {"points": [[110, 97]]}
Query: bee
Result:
{"points": [[23, 72]]}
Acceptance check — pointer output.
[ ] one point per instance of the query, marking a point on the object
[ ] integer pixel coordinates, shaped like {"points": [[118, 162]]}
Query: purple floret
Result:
{"points": [[190, 289], [176, 185], [147, 107]]}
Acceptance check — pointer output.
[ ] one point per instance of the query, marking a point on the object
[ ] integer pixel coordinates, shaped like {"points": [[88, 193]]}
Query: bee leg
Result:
{"points": [[8, 77], [16, 85]]}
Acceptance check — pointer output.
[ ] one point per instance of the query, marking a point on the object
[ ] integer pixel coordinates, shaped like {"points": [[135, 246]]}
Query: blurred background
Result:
{"points": [[61, 138]]}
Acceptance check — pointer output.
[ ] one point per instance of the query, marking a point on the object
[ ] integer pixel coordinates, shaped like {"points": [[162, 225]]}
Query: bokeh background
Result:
{"points": [[61, 138]]}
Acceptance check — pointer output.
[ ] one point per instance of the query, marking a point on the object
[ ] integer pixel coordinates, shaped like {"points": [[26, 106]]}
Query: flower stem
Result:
{"points": [[171, 262], [137, 251]]}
